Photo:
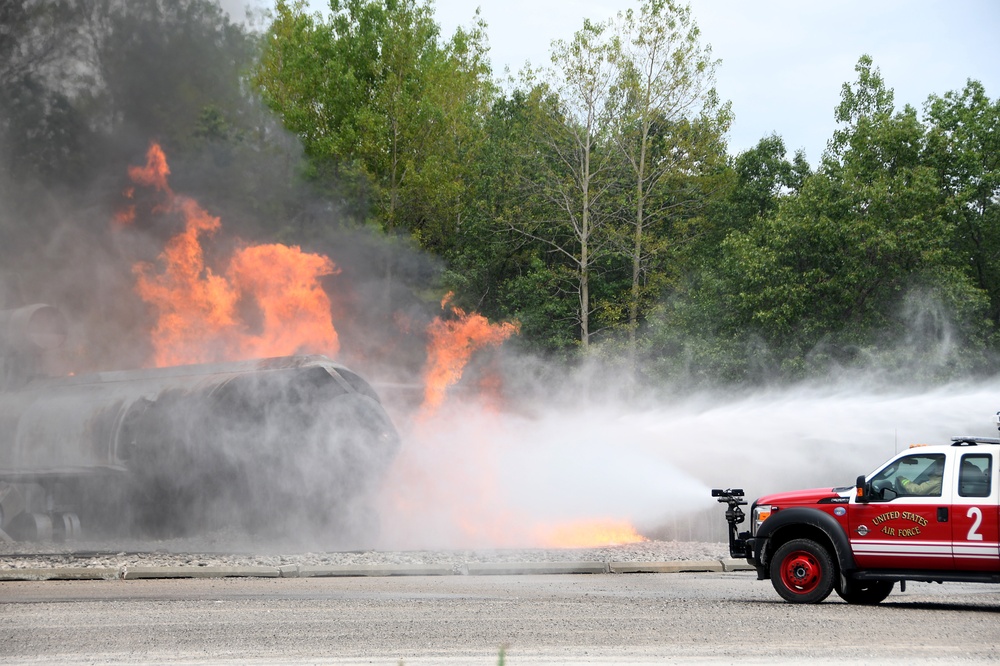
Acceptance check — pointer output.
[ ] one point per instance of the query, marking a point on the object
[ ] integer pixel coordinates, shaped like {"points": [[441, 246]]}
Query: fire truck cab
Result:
{"points": [[929, 513]]}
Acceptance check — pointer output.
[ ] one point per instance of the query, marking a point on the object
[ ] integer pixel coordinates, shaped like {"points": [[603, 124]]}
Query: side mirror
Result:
{"points": [[862, 490]]}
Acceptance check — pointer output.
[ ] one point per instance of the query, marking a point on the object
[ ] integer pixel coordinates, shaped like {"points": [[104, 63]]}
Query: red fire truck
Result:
{"points": [[929, 513]]}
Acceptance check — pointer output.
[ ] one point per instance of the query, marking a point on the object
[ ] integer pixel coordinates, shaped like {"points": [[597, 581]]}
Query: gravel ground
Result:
{"points": [[175, 554]]}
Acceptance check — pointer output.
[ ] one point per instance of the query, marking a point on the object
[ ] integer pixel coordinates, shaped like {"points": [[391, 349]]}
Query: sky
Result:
{"points": [[783, 61]]}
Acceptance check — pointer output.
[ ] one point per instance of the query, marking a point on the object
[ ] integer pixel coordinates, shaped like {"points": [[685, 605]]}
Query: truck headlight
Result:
{"points": [[761, 512]]}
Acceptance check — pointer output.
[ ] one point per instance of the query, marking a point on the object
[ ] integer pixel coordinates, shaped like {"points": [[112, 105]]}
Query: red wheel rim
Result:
{"points": [[800, 572]]}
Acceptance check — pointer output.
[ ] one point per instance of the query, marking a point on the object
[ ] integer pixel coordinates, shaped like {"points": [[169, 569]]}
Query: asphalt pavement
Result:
{"points": [[530, 618]]}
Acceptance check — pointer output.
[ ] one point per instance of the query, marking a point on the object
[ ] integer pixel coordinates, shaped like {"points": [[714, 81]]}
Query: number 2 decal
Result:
{"points": [[976, 513]]}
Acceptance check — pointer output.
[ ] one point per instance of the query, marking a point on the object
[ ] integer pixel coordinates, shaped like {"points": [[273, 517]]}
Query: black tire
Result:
{"points": [[802, 572], [865, 592]]}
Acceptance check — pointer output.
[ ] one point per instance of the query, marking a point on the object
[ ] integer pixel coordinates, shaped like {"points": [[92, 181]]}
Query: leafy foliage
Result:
{"points": [[379, 99], [964, 150], [849, 260], [593, 201]]}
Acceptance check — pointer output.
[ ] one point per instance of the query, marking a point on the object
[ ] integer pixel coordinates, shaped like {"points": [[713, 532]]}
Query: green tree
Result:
{"points": [[764, 175], [834, 274], [159, 65], [573, 150], [42, 135], [666, 121], [964, 147], [380, 100], [88, 83]]}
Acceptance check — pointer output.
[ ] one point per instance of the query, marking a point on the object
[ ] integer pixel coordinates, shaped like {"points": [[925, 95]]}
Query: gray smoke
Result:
{"points": [[560, 447], [474, 477]]}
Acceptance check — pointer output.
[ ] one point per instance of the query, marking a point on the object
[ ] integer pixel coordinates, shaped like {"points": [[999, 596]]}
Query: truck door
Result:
{"points": [[975, 522], [906, 522]]}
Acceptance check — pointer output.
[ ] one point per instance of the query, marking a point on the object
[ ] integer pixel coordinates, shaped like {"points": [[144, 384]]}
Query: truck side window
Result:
{"points": [[913, 475], [975, 475]]}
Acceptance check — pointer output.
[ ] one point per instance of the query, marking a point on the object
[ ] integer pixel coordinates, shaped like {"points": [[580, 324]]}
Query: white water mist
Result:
{"points": [[470, 477]]}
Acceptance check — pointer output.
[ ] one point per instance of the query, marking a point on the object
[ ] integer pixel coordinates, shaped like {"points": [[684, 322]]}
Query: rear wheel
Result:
{"points": [[802, 572], [865, 592]]}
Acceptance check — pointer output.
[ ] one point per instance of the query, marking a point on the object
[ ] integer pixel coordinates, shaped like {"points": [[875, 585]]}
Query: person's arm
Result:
{"points": [[928, 487]]}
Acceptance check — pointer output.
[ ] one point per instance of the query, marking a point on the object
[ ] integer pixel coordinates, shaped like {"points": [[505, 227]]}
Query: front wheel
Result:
{"points": [[802, 572], [866, 592]]}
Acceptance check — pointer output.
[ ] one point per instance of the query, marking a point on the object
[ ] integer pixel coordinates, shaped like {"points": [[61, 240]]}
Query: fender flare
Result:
{"points": [[802, 515]]}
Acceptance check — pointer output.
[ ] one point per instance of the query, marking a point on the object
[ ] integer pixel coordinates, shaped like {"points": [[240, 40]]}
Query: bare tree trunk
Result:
{"points": [[633, 308], [585, 256]]}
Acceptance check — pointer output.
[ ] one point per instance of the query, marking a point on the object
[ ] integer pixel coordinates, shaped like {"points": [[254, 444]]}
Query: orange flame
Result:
{"points": [[451, 345], [127, 214], [154, 173], [200, 314], [267, 301], [590, 534]]}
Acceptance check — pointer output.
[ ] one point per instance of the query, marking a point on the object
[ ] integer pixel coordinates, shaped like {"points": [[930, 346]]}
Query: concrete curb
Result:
{"points": [[302, 571], [60, 573], [666, 567], [136, 573], [357, 570], [533, 568], [729, 564]]}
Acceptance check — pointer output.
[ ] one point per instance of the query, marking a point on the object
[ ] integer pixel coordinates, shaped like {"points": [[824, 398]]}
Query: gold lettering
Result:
{"points": [[891, 531], [888, 515], [918, 519]]}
